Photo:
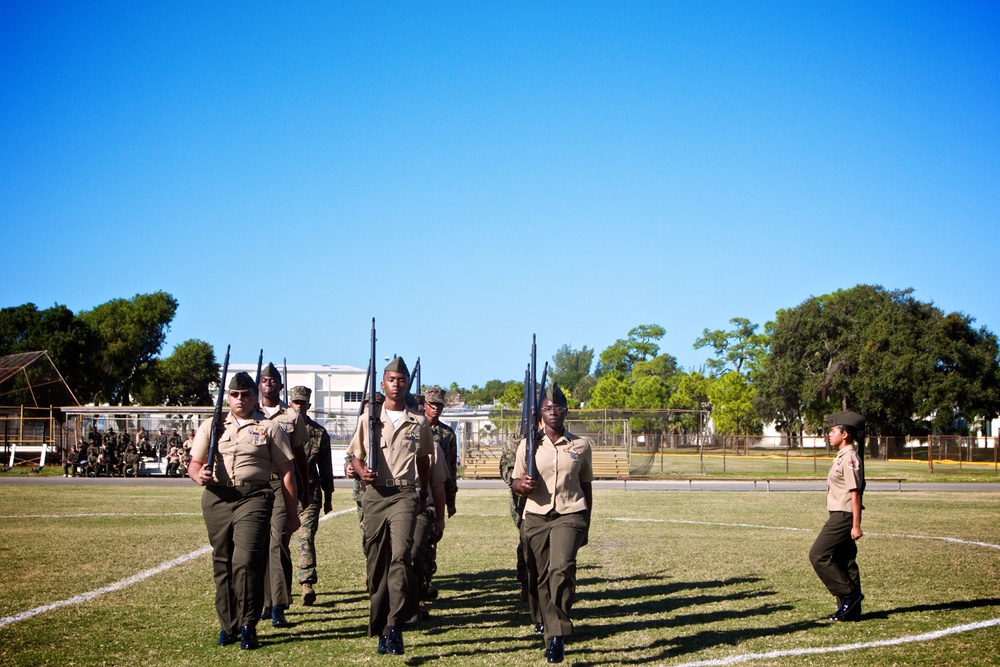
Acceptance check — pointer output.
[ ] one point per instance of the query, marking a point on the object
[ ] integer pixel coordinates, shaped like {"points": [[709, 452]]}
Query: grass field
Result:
{"points": [[670, 578]]}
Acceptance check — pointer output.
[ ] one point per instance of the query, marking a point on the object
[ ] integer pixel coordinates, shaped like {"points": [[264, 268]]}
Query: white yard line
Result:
{"points": [[134, 579], [896, 641], [771, 655], [75, 516]]}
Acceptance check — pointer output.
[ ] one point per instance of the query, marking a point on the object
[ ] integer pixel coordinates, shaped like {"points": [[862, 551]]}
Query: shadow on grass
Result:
{"points": [[487, 600], [943, 606]]}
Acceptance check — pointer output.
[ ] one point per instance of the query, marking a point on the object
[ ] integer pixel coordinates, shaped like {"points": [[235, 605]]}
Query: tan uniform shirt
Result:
{"points": [[247, 452], [844, 477], [560, 468], [292, 423], [400, 446]]}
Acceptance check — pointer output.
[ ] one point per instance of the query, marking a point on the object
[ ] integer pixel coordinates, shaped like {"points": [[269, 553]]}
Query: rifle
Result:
{"points": [[374, 418], [216, 431], [414, 379], [284, 379], [256, 380], [534, 401]]}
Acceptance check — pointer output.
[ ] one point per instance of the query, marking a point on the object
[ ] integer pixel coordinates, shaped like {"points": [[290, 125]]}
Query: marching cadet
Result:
{"points": [[834, 552], [390, 503], [278, 590], [444, 436], [319, 469], [427, 532], [237, 506], [556, 522]]}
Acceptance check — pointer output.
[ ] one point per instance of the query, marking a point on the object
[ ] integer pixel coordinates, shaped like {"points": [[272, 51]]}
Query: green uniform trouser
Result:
{"points": [[421, 554], [833, 556], [551, 542], [390, 515], [237, 521], [278, 587], [305, 538]]}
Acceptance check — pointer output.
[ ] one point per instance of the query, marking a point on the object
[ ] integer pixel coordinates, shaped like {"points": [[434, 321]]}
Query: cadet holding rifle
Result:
{"points": [[278, 591], [401, 446], [237, 503], [556, 522]]}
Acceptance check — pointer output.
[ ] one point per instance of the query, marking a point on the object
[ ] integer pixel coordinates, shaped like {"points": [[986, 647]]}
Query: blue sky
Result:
{"points": [[470, 174]]}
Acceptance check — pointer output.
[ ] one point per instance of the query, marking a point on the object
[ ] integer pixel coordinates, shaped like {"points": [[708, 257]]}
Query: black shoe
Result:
{"points": [[265, 615], [539, 628], [278, 619], [555, 651], [848, 605], [248, 638], [394, 641], [227, 638], [382, 650], [853, 615]]}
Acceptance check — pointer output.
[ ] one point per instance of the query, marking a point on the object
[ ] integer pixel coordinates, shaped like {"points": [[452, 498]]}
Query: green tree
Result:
{"points": [[691, 394], [569, 366], [610, 391], [624, 353], [741, 350], [732, 406], [69, 342], [649, 392], [131, 332], [183, 378], [903, 363]]}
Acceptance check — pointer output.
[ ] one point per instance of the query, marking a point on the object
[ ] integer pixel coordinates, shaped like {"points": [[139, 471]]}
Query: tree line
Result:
{"points": [[910, 368], [109, 354]]}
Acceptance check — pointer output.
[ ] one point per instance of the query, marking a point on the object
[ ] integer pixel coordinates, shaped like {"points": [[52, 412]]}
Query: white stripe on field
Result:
{"points": [[771, 655], [118, 585], [74, 516], [953, 540]]}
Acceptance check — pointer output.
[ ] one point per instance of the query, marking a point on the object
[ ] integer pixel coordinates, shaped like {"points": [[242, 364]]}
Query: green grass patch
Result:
{"points": [[668, 578]]}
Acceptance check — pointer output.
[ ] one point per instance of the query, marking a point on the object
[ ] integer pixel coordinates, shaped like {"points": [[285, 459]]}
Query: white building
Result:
{"points": [[337, 391]]}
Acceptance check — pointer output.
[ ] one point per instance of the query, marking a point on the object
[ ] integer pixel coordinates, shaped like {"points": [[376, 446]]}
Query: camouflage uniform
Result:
{"points": [[356, 494], [132, 460], [507, 459], [320, 468], [445, 436]]}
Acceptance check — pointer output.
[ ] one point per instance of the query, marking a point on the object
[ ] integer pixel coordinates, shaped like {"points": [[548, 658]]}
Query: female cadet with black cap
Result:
{"points": [[556, 521], [834, 552]]}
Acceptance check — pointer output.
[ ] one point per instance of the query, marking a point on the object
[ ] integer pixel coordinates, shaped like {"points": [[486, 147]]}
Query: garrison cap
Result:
{"points": [[270, 371], [434, 395], [555, 394], [241, 380], [851, 420], [300, 394], [397, 365]]}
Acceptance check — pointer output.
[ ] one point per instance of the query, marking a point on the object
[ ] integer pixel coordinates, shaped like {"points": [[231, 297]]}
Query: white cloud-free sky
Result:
{"points": [[472, 173]]}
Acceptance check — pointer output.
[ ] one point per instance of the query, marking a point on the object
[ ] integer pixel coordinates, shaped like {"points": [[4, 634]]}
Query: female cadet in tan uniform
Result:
{"points": [[833, 553], [237, 505], [556, 519]]}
